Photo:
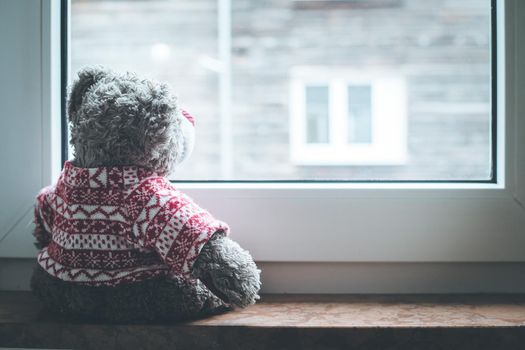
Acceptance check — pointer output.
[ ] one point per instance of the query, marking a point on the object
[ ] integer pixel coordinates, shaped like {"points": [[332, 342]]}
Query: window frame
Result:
{"points": [[430, 213], [396, 222], [350, 222], [389, 118]]}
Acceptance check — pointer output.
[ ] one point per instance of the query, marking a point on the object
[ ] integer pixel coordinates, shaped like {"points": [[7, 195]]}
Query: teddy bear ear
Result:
{"points": [[87, 77]]}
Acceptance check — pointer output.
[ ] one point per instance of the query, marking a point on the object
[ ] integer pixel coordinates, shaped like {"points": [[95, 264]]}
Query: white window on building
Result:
{"points": [[344, 116]]}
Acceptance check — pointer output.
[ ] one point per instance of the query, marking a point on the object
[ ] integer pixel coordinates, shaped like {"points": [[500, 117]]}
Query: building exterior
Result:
{"points": [[320, 90]]}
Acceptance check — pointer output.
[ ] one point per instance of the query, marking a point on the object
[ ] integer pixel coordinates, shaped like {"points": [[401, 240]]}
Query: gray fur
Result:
{"points": [[231, 271], [121, 119], [156, 300]]}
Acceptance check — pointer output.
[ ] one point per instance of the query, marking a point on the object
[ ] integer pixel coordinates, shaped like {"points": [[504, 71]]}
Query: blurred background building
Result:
{"points": [[310, 89]]}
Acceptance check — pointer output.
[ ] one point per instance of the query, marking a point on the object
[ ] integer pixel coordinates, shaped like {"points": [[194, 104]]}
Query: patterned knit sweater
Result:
{"points": [[112, 225]]}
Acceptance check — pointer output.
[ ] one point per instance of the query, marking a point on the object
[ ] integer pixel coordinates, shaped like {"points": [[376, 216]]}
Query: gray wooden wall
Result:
{"points": [[440, 46]]}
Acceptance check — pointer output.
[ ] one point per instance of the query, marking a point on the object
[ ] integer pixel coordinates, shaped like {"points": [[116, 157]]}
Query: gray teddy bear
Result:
{"points": [[118, 242]]}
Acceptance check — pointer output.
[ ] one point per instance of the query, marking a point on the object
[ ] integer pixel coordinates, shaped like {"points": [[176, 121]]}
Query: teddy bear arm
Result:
{"points": [[43, 218], [229, 271], [42, 236]]}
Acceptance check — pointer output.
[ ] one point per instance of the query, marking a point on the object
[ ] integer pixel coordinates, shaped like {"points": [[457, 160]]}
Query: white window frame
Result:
{"points": [[319, 223], [395, 222], [388, 146]]}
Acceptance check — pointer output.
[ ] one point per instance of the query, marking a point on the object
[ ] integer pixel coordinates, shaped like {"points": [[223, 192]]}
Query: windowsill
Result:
{"points": [[283, 321]]}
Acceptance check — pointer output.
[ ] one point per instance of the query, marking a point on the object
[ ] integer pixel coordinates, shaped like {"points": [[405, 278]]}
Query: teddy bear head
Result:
{"points": [[122, 119]]}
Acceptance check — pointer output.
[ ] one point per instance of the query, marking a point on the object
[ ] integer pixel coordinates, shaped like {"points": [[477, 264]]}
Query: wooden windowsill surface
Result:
{"points": [[292, 321]]}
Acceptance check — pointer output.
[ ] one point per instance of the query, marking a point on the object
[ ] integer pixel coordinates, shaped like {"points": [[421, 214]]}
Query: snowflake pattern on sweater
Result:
{"points": [[112, 225]]}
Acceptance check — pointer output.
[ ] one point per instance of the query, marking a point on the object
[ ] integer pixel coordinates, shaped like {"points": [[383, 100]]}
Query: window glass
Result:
{"points": [[172, 41], [359, 114], [317, 117], [439, 49]]}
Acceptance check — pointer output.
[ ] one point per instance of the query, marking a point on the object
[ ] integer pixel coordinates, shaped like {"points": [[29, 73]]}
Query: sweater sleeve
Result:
{"points": [[169, 222], [43, 217]]}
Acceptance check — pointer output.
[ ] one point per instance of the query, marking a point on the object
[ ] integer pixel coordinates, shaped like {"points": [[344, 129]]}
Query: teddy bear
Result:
{"points": [[118, 242]]}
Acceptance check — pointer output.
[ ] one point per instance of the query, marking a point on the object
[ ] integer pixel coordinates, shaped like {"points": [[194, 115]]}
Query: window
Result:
{"points": [[359, 113], [450, 197], [236, 65], [290, 226], [317, 114], [347, 117], [286, 223]]}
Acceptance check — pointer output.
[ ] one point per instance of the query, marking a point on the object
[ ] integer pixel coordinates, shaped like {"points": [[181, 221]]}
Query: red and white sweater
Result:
{"points": [[112, 225]]}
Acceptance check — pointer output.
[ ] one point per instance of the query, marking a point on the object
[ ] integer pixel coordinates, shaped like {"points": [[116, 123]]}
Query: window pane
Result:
{"points": [[317, 109], [359, 114], [172, 41], [438, 49]]}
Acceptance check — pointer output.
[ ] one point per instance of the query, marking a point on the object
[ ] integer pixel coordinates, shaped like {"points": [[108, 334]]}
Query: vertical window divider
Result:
{"points": [[225, 88]]}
